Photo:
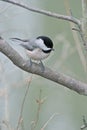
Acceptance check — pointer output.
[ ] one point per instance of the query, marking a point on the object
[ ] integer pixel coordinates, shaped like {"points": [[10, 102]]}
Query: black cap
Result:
{"points": [[47, 41]]}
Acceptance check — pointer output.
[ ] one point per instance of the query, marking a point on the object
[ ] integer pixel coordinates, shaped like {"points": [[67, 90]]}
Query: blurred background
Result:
{"points": [[61, 108]]}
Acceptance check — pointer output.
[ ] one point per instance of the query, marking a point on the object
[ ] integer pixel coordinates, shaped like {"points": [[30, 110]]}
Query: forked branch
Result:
{"points": [[44, 12]]}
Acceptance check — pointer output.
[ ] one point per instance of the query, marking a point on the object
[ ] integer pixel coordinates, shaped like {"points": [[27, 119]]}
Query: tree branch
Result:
{"points": [[59, 78], [54, 15], [44, 12]]}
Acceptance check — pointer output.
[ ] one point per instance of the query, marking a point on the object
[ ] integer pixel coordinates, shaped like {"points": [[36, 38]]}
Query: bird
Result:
{"points": [[37, 49]]}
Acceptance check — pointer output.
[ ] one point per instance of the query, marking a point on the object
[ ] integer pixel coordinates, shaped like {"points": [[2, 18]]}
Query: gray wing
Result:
{"points": [[26, 43]]}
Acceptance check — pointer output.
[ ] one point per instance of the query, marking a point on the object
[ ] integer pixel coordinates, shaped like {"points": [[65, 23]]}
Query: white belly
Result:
{"points": [[37, 54]]}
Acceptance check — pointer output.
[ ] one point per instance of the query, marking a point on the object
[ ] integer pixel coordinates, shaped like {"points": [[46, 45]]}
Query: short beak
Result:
{"points": [[53, 49]]}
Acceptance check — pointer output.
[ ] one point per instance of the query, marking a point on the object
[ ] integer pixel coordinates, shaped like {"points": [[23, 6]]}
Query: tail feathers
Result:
{"points": [[18, 39], [23, 42]]}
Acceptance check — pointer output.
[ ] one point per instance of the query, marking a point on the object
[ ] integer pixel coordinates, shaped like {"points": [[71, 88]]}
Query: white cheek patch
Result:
{"points": [[41, 44]]}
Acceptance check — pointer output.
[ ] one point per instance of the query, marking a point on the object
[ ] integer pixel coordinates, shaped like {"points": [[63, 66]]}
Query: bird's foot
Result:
{"points": [[42, 66], [30, 63]]}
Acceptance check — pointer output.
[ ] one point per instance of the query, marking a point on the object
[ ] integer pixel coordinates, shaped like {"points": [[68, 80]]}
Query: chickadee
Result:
{"points": [[37, 49]]}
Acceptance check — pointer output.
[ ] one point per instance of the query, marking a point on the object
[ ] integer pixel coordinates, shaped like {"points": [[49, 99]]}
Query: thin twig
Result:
{"points": [[44, 12], [44, 126], [20, 120], [40, 101], [7, 124], [39, 107], [76, 39]]}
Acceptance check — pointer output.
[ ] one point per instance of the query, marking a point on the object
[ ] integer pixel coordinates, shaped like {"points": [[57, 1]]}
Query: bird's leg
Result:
{"points": [[30, 62], [42, 66]]}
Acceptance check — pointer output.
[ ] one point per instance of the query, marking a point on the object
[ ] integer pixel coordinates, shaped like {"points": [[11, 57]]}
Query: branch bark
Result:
{"points": [[44, 12], [48, 73]]}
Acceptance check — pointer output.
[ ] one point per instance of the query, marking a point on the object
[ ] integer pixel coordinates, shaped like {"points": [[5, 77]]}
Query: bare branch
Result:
{"points": [[54, 15], [39, 101], [44, 12], [55, 114], [20, 120], [48, 73], [76, 38]]}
